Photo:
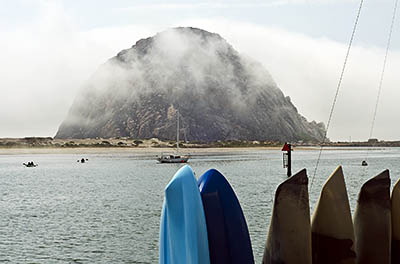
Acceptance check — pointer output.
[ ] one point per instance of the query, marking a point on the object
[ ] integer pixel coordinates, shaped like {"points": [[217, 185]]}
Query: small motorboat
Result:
{"points": [[82, 160], [30, 164]]}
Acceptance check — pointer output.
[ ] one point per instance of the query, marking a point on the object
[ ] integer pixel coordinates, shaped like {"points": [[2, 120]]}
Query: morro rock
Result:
{"points": [[219, 93]]}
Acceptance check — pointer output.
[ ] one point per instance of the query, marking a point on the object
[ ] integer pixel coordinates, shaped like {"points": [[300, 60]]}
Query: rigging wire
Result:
{"points": [[337, 90], [382, 74], [185, 125]]}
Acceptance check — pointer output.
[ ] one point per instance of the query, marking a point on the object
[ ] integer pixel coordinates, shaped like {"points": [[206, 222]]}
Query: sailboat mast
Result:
{"points": [[177, 132]]}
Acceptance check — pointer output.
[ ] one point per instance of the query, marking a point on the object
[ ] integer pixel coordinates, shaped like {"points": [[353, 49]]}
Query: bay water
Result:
{"points": [[108, 209]]}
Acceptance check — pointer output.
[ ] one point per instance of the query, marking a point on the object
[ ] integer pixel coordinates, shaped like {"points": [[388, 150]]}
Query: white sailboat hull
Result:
{"points": [[172, 159]]}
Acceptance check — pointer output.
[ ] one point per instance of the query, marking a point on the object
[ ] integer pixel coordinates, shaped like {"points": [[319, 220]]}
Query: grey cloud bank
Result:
{"points": [[220, 94], [44, 62]]}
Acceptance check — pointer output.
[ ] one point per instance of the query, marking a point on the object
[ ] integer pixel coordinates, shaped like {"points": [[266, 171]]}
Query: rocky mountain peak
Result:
{"points": [[219, 93]]}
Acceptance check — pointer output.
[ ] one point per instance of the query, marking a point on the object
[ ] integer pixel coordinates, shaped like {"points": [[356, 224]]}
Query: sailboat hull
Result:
{"points": [[173, 160]]}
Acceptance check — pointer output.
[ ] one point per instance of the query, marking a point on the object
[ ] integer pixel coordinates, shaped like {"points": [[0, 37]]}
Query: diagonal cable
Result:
{"points": [[383, 73], [337, 90]]}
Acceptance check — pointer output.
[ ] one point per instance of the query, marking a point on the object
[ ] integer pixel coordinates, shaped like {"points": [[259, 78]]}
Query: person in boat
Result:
{"points": [[30, 164]]}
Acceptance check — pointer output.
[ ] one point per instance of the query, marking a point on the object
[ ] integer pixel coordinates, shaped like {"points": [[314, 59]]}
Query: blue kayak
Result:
{"points": [[228, 236], [183, 231]]}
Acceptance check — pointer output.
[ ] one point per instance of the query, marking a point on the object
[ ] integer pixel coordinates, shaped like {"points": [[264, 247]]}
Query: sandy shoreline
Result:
{"points": [[137, 150], [48, 145], [155, 150]]}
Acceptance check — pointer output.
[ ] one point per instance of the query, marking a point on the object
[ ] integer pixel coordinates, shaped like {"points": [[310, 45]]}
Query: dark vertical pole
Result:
{"points": [[289, 165]]}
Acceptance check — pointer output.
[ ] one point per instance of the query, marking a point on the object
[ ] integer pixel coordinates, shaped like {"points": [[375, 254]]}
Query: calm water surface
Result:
{"points": [[108, 210]]}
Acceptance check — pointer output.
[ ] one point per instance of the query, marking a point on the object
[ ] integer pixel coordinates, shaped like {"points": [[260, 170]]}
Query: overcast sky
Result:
{"points": [[49, 48]]}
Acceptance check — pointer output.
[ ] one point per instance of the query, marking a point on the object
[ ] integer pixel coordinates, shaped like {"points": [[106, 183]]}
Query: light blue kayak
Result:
{"points": [[183, 230]]}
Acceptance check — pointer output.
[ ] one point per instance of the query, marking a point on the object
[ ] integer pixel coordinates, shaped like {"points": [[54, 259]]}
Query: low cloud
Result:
{"points": [[44, 65], [307, 69], [224, 4]]}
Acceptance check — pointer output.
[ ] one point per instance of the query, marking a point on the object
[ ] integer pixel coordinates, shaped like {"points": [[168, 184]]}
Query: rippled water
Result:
{"points": [[108, 210]]}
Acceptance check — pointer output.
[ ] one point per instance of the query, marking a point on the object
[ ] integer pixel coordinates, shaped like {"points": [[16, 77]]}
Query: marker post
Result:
{"points": [[287, 158]]}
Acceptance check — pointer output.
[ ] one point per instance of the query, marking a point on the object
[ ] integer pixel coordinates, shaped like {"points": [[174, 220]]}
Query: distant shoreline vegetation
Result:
{"points": [[126, 142]]}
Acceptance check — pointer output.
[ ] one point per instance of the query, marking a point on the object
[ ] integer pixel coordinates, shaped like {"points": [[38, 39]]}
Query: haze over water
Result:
{"points": [[108, 210]]}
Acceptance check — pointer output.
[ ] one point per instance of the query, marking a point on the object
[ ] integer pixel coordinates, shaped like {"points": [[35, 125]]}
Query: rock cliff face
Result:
{"points": [[219, 93]]}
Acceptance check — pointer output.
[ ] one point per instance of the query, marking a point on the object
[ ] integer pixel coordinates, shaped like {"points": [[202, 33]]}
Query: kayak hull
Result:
{"points": [[228, 235], [183, 231]]}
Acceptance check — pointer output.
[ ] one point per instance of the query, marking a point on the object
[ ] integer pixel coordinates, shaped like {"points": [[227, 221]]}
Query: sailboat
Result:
{"points": [[174, 158]]}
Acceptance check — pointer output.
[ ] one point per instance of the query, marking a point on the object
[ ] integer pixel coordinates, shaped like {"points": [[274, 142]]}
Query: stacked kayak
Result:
{"points": [[332, 226], [183, 231], [228, 236], [203, 222], [289, 237]]}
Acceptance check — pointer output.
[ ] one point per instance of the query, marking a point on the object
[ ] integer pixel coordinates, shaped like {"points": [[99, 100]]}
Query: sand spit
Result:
{"points": [[48, 145]]}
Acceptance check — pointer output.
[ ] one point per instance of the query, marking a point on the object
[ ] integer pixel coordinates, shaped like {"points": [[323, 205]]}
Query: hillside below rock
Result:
{"points": [[219, 93]]}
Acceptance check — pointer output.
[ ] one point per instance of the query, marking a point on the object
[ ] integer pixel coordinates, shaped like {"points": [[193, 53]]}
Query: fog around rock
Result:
{"points": [[219, 93]]}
